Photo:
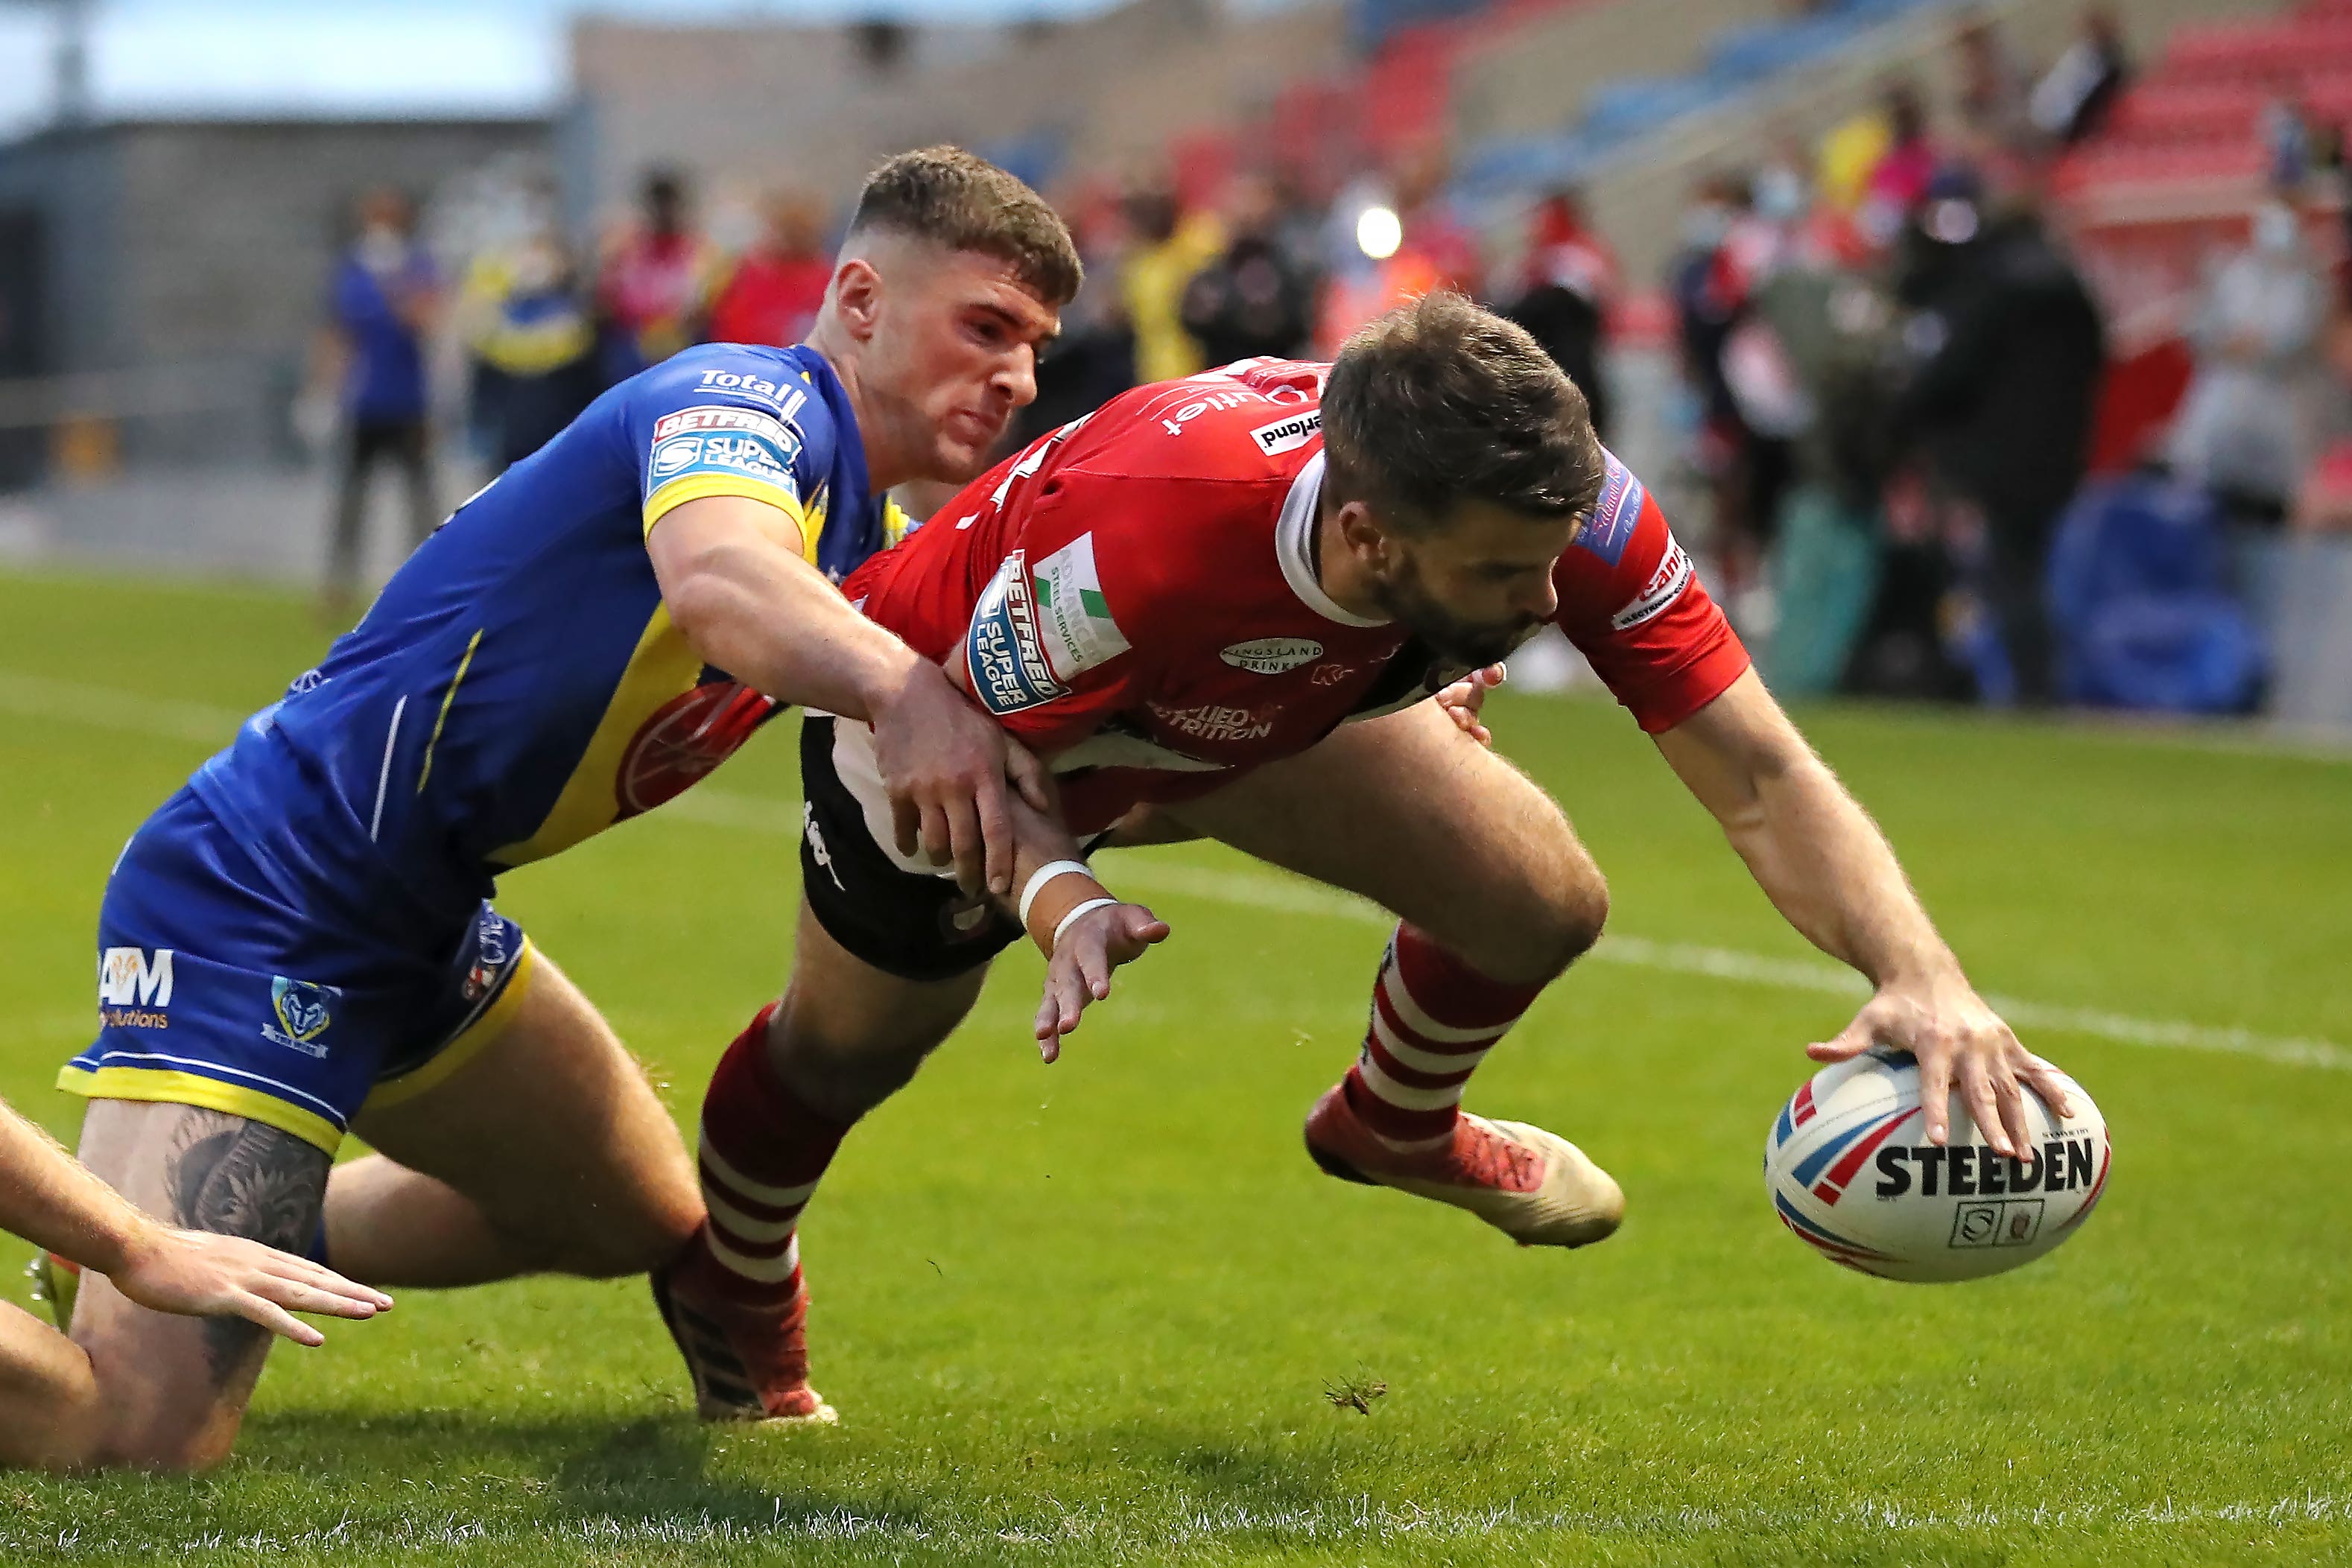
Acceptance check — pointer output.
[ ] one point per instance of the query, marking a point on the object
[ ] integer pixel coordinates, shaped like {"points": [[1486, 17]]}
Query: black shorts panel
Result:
{"points": [[903, 923]]}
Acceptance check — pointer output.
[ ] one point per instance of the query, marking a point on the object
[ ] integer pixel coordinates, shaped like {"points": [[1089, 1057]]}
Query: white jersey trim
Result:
{"points": [[1291, 534]]}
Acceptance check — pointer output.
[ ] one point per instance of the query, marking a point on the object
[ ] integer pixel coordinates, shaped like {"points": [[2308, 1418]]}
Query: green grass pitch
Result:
{"points": [[1095, 1314]]}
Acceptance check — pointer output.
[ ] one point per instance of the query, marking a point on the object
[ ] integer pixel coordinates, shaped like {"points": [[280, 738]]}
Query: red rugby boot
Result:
{"points": [[1534, 1187], [749, 1358]]}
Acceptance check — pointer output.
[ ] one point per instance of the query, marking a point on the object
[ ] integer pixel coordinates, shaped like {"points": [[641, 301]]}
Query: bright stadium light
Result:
{"points": [[1379, 232]]}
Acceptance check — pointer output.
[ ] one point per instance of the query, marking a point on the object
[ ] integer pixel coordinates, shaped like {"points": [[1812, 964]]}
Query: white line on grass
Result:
{"points": [[109, 708], [1282, 894]]}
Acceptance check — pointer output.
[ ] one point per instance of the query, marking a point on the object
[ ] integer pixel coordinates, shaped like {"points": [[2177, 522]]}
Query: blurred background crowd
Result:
{"points": [[1994, 353]]}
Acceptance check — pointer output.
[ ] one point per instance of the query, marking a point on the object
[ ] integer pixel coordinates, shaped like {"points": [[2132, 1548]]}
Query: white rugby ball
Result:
{"points": [[1851, 1174]]}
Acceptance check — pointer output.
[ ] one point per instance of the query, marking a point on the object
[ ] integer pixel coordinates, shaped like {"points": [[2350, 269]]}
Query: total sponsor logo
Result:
{"points": [[134, 988], [1007, 662], [1216, 722], [1665, 585], [302, 1013], [1288, 434], [787, 398], [1271, 655]]}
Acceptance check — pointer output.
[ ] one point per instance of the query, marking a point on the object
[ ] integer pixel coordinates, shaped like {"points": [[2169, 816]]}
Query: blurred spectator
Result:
{"points": [[774, 289], [1729, 248], [534, 343], [1434, 232], [2074, 96], [382, 307], [1568, 285], [1899, 181], [2239, 433], [2287, 139], [1168, 247], [656, 279], [1993, 88], [1093, 359], [1849, 155], [1254, 299], [1831, 331], [2011, 350]]}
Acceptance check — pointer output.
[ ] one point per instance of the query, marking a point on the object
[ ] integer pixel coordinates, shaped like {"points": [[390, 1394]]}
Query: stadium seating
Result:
{"points": [[2205, 112], [1736, 61]]}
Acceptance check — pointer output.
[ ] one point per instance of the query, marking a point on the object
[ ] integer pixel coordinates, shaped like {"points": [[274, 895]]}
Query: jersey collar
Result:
{"points": [[1291, 534]]}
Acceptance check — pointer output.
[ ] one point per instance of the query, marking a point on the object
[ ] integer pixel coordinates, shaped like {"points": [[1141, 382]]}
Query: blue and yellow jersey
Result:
{"points": [[519, 687]]}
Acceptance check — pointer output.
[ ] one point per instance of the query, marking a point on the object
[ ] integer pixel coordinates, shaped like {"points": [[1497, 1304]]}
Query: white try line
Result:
{"points": [[109, 708], [1282, 894]]}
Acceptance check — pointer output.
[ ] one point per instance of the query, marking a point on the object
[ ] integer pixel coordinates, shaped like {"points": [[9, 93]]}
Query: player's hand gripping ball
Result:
{"points": [[1851, 1173]]}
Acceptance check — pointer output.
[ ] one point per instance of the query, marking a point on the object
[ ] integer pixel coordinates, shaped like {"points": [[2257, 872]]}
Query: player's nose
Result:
{"points": [[1539, 601], [1019, 377]]}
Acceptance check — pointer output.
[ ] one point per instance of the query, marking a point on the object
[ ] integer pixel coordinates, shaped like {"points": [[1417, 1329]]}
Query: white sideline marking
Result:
{"points": [[109, 707]]}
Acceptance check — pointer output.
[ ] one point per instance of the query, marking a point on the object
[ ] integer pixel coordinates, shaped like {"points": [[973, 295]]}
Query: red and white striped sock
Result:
{"points": [[1433, 1019], [761, 1152]]}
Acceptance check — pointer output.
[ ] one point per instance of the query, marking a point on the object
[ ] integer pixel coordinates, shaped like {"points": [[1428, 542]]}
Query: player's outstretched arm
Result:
{"points": [[1085, 931], [732, 574], [50, 1198], [1828, 870]]}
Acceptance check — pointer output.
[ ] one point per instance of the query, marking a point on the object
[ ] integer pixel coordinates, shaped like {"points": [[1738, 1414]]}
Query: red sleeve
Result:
{"points": [[1629, 599], [1063, 635]]}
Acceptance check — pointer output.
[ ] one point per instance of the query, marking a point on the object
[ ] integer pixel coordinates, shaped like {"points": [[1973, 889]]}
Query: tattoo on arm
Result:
{"points": [[237, 1177]]}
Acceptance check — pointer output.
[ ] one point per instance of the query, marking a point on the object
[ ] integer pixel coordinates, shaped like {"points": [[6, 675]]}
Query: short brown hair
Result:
{"points": [[1440, 402], [964, 202]]}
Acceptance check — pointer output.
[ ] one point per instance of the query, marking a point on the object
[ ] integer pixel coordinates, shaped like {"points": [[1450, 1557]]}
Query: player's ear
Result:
{"points": [[1361, 532], [856, 297]]}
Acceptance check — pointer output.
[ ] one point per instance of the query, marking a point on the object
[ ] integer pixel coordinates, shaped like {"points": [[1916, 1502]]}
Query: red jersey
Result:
{"points": [[1134, 596]]}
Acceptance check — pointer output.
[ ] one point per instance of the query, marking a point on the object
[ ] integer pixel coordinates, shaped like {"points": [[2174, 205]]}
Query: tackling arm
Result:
{"points": [[739, 590], [1828, 869]]}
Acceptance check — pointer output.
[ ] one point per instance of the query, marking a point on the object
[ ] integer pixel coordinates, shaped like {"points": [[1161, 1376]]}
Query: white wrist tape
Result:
{"points": [[1045, 873], [1088, 907]]}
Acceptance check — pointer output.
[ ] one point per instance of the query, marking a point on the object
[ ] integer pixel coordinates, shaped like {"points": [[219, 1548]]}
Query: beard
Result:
{"points": [[1471, 644]]}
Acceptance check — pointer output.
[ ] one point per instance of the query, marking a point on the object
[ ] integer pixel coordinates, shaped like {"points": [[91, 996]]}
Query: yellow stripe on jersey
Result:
{"points": [[661, 668], [168, 1086], [694, 487], [459, 1054], [443, 718], [896, 524]]}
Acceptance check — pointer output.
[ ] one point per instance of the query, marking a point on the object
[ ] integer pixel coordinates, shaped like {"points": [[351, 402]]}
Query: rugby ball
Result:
{"points": [[1851, 1174]]}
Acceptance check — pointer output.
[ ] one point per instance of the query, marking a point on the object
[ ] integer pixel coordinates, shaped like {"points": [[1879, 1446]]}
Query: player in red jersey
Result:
{"points": [[1183, 603]]}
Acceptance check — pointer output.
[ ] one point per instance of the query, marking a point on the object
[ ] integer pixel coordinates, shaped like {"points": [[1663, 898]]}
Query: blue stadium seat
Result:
{"points": [[1626, 109], [2139, 590]]}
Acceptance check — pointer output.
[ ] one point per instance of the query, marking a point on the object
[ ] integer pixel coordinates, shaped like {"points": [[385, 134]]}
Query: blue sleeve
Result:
{"points": [[728, 420]]}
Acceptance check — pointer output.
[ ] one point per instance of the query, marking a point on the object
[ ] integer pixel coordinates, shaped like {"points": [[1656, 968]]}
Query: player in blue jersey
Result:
{"points": [[299, 941]]}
